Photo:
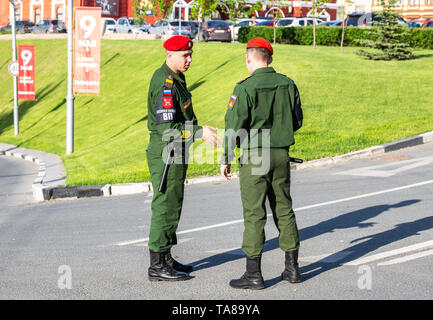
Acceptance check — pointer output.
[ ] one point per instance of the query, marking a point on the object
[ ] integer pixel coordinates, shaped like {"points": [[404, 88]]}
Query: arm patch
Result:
{"points": [[165, 106]]}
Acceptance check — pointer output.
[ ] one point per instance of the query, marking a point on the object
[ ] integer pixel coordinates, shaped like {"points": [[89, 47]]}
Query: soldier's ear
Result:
{"points": [[169, 55]]}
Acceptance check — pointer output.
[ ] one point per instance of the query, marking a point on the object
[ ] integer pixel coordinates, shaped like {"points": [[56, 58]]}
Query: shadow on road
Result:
{"points": [[349, 220]]}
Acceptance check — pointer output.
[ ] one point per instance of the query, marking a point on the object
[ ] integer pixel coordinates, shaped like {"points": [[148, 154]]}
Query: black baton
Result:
{"points": [[296, 160], [170, 155]]}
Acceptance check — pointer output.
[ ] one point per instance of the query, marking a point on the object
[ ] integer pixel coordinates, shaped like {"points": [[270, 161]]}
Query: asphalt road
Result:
{"points": [[366, 229], [16, 178]]}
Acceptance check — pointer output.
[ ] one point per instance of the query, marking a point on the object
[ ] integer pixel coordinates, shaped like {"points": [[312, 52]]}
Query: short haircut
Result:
{"points": [[262, 54]]}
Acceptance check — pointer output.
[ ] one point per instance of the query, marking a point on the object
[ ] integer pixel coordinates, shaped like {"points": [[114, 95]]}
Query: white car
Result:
{"points": [[110, 25], [243, 23], [127, 25], [297, 22]]}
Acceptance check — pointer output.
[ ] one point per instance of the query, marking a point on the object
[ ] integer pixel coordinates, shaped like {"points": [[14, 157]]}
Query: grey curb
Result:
{"points": [[41, 191]]}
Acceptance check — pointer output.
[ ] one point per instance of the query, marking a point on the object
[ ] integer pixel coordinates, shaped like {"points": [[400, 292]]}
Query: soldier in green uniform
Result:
{"points": [[170, 119], [263, 112]]}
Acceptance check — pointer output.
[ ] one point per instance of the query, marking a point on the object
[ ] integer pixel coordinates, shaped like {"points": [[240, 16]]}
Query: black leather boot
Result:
{"points": [[159, 270], [252, 279], [176, 265], [291, 272]]}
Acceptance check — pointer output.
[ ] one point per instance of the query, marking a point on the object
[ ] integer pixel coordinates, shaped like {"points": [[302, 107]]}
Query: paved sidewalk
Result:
{"points": [[51, 180], [51, 174]]}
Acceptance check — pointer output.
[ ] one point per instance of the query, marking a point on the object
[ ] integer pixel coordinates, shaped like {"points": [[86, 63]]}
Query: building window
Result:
{"points": [[37, 15], [60, 14], [17, 14]]}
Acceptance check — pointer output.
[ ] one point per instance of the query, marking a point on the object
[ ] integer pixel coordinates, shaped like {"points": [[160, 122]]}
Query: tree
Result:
{"points": [[345, 17], [390, 38], [236, 9], [201, 9], [315, 5], [160, 8]]}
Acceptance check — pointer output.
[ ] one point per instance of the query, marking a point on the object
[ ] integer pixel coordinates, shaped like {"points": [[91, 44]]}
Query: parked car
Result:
{"points": [[284, 22], [110, 25], [297, 22], [49, 26], [144, 27], [127, 25], [266, 23], [172, 28], [194, 28], [240, 24], [185, 28], [216, 30], [427, 24], [22, 26], [415, 23], [367, 19], [332, 23]]}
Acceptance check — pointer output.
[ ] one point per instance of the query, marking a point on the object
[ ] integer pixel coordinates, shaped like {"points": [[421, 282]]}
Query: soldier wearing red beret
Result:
{"points": [[171, 118], [266, 108]]}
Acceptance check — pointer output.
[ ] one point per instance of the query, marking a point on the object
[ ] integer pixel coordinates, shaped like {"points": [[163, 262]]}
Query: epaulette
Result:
{"points": [[169, 82], [244, 79], [285, 76]]}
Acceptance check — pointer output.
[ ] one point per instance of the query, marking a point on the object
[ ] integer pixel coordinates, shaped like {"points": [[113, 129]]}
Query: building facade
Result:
{"points": [[35, 10], [291, 8], [410, 9]]}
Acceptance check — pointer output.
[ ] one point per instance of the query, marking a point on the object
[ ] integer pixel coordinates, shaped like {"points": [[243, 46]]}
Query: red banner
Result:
{"points": [[87, 50], [26, 76]]}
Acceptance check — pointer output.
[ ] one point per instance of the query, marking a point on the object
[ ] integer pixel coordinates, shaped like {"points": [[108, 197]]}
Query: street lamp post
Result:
{"points": [[13, 3], [70, 95]]}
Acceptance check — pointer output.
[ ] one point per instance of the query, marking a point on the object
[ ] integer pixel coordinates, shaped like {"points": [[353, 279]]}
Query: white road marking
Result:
{"points": [[217, 251], [387, 254], [374, 171], [327, 258], [145, 243], [414, 185], [407, 258]]}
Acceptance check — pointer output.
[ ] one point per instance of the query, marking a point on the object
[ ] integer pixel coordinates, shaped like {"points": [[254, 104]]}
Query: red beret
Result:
{"points": [[260, 43], [178, 43]]}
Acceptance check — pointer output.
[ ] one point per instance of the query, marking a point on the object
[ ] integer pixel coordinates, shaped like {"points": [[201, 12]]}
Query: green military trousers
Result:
{"points": [[167, 206], [266, 174]]}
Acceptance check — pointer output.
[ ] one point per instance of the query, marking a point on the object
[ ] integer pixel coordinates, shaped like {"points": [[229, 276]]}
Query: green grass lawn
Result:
{"points": [[349, 103]]}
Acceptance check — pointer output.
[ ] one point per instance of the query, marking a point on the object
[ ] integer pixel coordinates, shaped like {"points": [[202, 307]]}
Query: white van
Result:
{"points": [[297, 22]]}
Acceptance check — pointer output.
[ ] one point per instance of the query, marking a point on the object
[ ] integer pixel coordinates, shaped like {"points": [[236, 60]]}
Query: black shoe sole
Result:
{"points": [[156, 278], [291, 281], [250, 287]]}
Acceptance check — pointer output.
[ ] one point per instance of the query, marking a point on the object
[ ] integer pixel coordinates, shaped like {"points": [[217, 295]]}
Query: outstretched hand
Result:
{"points": [[225, 171], [210, 136]]}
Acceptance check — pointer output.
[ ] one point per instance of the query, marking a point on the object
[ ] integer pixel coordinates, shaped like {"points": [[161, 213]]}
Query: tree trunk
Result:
{"points": [[342, 37], [314, 33]]}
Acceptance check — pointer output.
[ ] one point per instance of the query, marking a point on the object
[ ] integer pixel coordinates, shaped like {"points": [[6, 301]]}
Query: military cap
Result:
{"points": [[178, 43], [260, 43]]}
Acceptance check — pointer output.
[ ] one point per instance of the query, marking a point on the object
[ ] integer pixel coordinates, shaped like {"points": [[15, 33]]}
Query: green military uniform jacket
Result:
{"points": [[170, 112], [265, 100]]}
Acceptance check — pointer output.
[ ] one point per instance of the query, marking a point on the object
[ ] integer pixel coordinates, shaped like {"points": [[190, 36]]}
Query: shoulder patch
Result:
{"points": [[169, 82], [232, 102], [187, 104]]}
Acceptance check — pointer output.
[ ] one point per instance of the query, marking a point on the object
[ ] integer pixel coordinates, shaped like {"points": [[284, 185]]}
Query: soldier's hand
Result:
{"points": [[210, 136], [225, 171]]}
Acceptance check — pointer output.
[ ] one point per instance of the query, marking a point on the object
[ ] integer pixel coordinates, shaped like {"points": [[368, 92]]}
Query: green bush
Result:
{"points": [[330, 36]]}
